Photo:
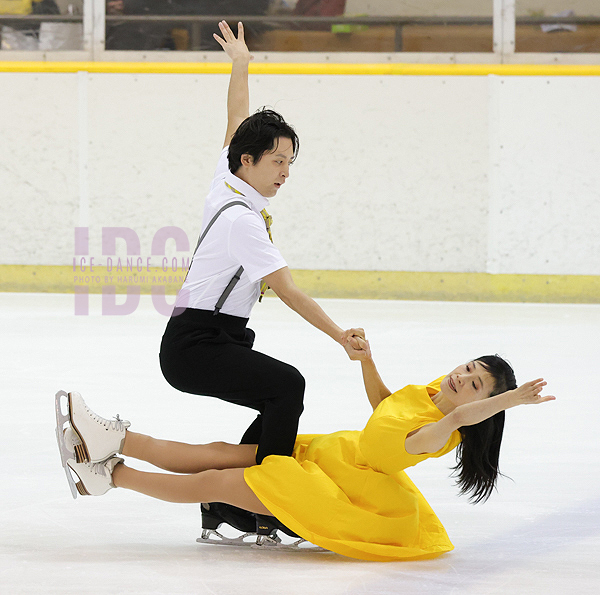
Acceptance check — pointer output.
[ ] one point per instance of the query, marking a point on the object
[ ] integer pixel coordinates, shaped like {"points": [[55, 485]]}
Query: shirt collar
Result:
{"points": [[255, 198]]}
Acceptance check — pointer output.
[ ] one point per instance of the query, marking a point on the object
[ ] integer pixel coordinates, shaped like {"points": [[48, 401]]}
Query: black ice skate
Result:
{"points": [[257, 531], [214, 514]]}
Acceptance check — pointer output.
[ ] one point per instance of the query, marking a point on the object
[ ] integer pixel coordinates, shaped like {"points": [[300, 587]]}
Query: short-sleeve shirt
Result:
{"points": [[238, 237]]}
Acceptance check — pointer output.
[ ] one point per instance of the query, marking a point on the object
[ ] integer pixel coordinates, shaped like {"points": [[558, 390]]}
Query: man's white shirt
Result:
{"points": [[238, 237]]}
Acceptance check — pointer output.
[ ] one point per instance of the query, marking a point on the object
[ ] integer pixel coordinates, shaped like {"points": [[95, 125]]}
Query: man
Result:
{"points": [[206, 348]]}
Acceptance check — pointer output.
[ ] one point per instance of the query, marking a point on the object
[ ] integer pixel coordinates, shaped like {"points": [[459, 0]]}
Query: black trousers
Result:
{"points": [[203, 354]]}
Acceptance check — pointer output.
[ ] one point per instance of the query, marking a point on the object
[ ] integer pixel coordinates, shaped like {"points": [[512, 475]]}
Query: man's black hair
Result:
{"points": [[259, 134]]}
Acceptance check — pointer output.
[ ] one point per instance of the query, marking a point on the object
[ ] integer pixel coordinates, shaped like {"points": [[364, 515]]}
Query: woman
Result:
{"points": [[345, 491]]}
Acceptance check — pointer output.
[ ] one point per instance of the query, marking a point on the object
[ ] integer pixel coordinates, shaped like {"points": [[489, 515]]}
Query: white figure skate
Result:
{"points": [[104, 437], [95, 479], [99, 438]]}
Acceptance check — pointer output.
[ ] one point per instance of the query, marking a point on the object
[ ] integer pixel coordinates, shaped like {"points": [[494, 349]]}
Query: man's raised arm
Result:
{"points": [[238, 97]]}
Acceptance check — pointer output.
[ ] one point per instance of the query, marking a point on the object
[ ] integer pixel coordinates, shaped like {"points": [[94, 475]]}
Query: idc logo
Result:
{"points": [[110, 274]]}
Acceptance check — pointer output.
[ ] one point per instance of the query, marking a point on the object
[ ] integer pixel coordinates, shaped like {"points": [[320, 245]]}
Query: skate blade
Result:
{"points": [[213, 537], [261, 542], [62, 421], [300, 545]]}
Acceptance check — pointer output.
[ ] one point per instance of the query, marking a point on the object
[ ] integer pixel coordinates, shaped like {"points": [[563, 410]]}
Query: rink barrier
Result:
{"points": [[400, 285], [306, 68]]}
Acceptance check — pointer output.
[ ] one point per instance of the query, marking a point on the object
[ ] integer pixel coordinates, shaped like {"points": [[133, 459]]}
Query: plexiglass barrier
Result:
{"points": [[41, 25], [498, 28], [557, 26], [301, 25]]}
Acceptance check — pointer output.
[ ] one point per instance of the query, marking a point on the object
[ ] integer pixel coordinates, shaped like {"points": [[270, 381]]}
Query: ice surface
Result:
{"points": [[539, 534]]}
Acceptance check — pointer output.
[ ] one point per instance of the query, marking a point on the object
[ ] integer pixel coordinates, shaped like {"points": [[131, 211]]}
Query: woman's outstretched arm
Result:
{"points": [[376, 389], [432, 437]]}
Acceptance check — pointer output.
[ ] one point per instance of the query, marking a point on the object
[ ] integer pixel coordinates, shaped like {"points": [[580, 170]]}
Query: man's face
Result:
{"points": [[270, 172]]}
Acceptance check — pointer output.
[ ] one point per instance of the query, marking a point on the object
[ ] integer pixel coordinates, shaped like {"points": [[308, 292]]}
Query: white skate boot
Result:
{"points": [[71, 442], [94, 479], [100, 438]]}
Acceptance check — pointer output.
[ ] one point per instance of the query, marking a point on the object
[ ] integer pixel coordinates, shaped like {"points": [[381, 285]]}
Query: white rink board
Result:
{"points": [[395, 173]]}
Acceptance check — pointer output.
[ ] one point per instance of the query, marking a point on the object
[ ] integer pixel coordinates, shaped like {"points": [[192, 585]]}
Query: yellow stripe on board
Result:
{"points": [[467, 287], [307, 68], [474, 287]]}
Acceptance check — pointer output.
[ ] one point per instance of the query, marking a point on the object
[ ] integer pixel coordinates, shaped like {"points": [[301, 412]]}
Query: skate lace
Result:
{"points": [[100, 469], [117, 423]]}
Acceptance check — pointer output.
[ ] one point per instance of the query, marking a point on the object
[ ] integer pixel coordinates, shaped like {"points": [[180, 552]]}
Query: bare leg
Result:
{"points": [[179, 457], [208, 486]]}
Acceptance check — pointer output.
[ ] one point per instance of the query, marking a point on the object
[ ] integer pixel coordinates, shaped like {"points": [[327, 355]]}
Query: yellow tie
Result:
{"points": [[268, 222]]}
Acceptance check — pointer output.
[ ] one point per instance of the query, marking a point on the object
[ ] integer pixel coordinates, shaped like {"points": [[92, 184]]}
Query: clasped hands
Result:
{"points": [[355, 344]]}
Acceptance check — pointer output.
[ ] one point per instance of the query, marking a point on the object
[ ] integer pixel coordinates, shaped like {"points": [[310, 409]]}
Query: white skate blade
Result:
{"points": [[62, 422]]}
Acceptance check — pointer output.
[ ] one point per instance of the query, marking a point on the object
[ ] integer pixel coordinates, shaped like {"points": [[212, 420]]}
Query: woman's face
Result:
{"points": [[467, 383]]}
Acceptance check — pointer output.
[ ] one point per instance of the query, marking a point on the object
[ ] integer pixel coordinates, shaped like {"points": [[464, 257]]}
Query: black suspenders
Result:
{"points": [[239, 272]]}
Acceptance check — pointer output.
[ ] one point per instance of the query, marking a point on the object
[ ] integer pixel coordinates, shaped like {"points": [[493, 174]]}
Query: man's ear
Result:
{"points": [[247, 159]]}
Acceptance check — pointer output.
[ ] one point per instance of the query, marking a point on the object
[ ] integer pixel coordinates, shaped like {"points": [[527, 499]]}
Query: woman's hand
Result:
{"points": [[350, 335], [236, 49], [473, 413], [362, 353], [529, 393]]}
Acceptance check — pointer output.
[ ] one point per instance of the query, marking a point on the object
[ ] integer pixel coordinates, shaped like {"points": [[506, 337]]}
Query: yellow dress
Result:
{"points": [[348, 492]]}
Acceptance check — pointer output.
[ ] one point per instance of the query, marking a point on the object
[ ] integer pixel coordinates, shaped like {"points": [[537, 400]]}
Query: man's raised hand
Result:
{"points": [[236, 49]]}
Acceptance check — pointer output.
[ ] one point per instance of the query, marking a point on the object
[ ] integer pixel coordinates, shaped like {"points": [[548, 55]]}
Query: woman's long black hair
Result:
{"points": [[478, 453]]}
